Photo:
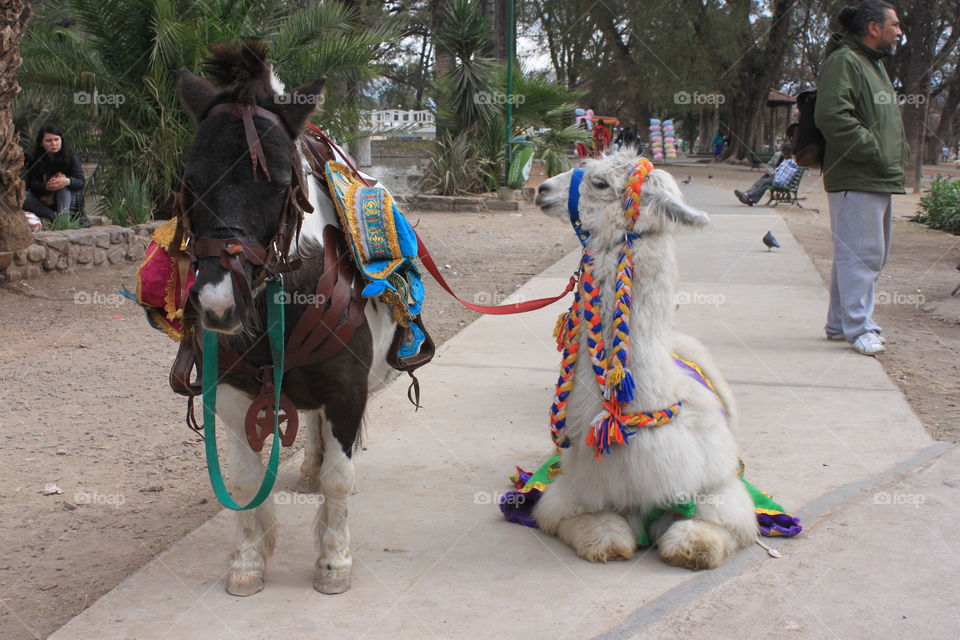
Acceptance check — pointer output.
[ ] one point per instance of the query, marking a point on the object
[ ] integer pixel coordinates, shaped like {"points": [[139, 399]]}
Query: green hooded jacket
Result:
{"points": [[858, 112]]}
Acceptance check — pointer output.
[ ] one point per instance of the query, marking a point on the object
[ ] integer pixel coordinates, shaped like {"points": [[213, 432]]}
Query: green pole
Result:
{"points": [[508, 126]]}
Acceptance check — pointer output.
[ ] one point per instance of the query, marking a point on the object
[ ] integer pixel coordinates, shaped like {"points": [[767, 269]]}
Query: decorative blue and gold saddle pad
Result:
{"points": [[379, 235]]}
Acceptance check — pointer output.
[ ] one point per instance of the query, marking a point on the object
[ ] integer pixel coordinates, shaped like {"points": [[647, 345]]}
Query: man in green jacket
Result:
{"points": [[864, 164]]}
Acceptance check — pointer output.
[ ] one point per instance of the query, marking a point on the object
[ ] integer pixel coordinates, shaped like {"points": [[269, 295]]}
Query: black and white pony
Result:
{"points": [[224, 200]]}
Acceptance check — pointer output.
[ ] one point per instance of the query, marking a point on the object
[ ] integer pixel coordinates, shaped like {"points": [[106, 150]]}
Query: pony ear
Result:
{"points": [[296, 107], [195, 93]]}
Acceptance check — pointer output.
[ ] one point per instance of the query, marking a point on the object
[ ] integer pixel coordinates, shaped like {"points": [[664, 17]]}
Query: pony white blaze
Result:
{"points": [[217, 298]]}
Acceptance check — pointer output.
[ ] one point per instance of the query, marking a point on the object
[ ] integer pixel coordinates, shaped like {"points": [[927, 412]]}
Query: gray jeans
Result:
{"points": [[860, 224]]}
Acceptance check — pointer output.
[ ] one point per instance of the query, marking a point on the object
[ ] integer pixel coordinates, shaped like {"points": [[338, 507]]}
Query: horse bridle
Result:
{"points": [[268, 260]]}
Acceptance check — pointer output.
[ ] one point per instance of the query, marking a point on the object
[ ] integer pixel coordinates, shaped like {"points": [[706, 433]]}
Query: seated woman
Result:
{"points": [[754, 194], [54, 178]]}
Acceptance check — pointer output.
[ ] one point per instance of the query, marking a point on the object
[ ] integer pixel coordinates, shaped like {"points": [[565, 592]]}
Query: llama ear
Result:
{"points": [[677, 210], [295, 107], [195, 93]]}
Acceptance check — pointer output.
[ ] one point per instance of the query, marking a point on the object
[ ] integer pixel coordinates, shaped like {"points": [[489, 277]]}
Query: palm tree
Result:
{"points": [[114, 67], [469, 155], [14, 234]]}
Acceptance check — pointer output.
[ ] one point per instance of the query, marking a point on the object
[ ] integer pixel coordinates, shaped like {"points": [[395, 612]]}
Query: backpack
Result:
{"points": [[808, 142]]}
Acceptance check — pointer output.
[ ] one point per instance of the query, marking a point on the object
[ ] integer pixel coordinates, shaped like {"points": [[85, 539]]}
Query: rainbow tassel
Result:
{"points": [[606, 430], [620, 383]]}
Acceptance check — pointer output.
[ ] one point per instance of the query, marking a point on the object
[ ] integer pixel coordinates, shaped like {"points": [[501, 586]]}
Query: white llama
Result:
{"points": [[599, 504]]}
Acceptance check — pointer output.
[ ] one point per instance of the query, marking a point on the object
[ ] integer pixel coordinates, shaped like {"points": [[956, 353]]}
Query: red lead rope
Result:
{"points": [[500, 310], [427, 260]]}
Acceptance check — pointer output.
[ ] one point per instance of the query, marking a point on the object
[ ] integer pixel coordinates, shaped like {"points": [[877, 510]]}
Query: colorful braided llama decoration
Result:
{"points": [[613, 377]]}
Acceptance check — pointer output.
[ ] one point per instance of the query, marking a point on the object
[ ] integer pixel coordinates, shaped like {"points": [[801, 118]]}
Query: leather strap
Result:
{"points": [[182, 380], [409, 364], [246, 112], [328, 324]]}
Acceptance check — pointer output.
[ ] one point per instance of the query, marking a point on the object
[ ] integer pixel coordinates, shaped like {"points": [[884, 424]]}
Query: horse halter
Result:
{"points": [[631, 203], [268, 260]]}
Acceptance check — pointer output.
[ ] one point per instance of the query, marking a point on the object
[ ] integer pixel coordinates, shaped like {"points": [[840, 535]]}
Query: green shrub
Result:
{"points": [[130, 201], [940, 206], [64, 222]]}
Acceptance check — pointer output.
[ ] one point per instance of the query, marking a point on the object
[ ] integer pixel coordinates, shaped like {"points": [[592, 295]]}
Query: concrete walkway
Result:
{"points": [[823, 429]]}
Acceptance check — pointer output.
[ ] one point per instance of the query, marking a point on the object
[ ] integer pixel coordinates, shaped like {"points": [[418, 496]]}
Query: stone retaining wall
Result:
{"points": [[58, 251]]}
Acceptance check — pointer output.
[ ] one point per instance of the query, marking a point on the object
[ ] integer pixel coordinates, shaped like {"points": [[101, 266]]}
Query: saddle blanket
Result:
{"points": [[383, 245], [517, 506], [159, 283]]}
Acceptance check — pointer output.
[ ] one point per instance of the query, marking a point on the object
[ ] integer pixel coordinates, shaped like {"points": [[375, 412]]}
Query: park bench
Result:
{"points": [[786, 193], [758, 158]]}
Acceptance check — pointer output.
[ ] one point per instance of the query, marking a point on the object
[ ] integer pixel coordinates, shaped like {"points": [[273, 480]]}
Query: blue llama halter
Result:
{"points": [[573, 204], [637, 176]]}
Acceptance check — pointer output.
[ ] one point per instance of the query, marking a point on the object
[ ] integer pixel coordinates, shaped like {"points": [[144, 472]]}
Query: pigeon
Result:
{"points": [[770, 241], [687, 181]]}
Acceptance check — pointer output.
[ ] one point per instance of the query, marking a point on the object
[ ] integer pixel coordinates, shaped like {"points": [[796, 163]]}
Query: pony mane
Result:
{"points": [[241, 66]]}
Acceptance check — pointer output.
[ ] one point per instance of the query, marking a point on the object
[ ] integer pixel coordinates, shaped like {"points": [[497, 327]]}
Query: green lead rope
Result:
{"points": [[210, 376]]}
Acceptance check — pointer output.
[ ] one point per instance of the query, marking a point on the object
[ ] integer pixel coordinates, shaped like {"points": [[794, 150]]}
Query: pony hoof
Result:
{"points": [[244, 584], [332, 581]]}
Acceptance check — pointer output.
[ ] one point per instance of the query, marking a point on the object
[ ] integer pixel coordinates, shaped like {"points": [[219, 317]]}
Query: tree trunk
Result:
{"points": [[14, 233], [949, 114], [916, 64], [444, 62], [756, 72]]}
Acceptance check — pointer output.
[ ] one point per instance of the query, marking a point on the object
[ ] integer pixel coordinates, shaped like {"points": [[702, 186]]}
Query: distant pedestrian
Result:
{"points": [[601, 137], [717, 145], [864, 163]]}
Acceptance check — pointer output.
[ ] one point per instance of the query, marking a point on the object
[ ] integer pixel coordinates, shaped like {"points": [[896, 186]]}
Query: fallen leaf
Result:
{"points": [[51, 488]]}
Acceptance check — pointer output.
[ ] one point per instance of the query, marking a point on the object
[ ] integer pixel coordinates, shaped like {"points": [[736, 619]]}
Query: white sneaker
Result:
{"points": [[840, 336], [868, 344]]}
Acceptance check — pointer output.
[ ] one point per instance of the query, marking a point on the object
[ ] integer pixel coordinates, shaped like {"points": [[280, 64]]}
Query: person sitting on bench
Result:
{"points": [[753, 195]]}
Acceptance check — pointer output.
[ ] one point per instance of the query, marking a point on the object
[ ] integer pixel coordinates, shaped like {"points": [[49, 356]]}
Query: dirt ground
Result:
{"points": [[920, 319], [86, 406]]}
